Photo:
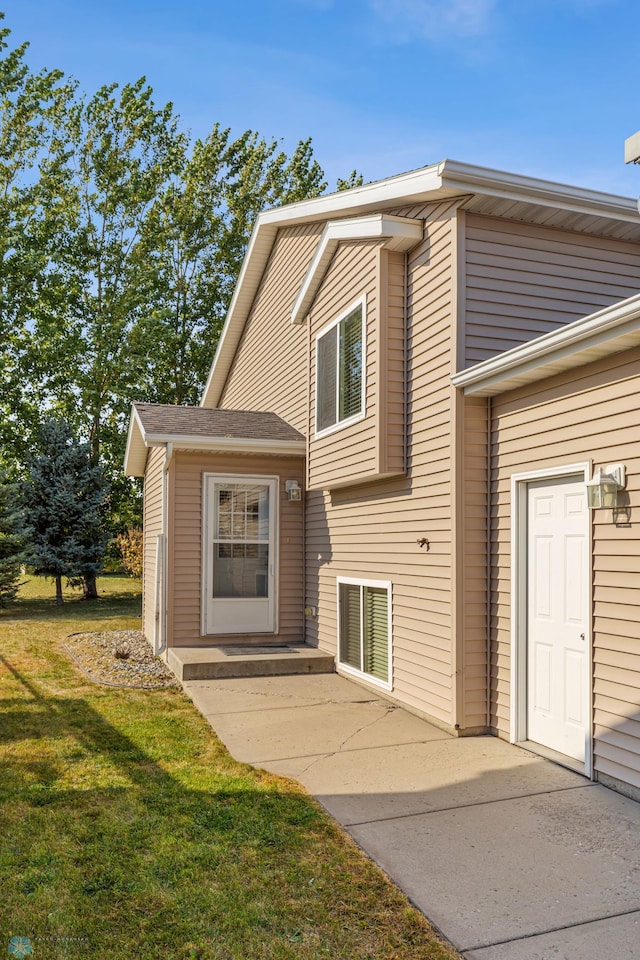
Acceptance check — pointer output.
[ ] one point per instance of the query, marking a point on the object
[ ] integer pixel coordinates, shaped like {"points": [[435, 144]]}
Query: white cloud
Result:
{"points": [[434, 20]]}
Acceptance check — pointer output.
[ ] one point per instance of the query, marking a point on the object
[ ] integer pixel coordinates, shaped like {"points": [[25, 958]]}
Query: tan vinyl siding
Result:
{"points": [[347, 453], [370, 531], [270, 368], [591, 414], [152, 528], [523, 281], [473, 563], [186, 537], [391, 389], [373, 447]]}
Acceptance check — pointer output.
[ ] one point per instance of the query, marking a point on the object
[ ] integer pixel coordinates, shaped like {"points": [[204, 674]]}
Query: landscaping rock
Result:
{"points": [[96, 655]]}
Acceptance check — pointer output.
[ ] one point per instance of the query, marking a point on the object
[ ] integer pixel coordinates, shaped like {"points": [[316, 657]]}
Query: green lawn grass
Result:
{"points": [[127, 830]]}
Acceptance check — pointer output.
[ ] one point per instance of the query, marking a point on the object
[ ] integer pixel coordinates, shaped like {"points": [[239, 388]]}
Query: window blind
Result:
{"points": [[376, 632], [350, 625], [350, 400]]}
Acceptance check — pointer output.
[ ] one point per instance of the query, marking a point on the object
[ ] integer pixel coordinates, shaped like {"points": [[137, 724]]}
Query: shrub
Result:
{"points": [[130, 545]]}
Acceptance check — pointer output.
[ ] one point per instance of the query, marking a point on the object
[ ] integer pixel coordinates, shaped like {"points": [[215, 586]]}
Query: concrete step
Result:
{"points": [[209, 663]]}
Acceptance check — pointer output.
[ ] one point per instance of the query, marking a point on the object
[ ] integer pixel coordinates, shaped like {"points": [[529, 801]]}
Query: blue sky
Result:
{"points": [[547, 88]]}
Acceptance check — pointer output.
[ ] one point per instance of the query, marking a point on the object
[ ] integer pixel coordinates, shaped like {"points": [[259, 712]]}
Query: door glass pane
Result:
{"points": [[241, 541], [238, 522], [225, 499], [240, 570], [242, 512]]}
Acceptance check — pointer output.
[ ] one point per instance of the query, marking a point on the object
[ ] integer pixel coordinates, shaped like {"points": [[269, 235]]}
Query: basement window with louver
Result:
{"points": [[364, 619], [340, 371]]}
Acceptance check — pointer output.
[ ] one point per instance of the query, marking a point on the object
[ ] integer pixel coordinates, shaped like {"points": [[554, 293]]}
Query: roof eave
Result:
{"points": [[256, 445], [465, 178], [398, 233], [448, 178], [135, 457], [599, 334]]}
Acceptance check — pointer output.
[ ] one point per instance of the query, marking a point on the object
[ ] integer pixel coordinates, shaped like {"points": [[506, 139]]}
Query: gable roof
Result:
{"points": [[197, 428], [600, 334], [488, 192]]}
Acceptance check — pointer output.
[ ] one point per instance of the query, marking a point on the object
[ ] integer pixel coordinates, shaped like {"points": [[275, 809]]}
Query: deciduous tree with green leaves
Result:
{"points": [[196, 235], [122, 152], [120, 245], [32, 174]]}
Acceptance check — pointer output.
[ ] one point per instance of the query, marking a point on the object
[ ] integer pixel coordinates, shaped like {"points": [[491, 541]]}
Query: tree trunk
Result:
{"points": [[59, 599], [90, 587]]}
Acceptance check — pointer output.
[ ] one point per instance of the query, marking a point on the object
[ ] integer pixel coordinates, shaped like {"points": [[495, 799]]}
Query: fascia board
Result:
{"points": [[535, 360], [453, 178], [417, 183], [232, 444], [135, 457], [401, 232]]}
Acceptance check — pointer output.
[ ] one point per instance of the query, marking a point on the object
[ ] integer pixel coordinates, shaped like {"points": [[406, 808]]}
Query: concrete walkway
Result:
{"points": [[509, 855]]}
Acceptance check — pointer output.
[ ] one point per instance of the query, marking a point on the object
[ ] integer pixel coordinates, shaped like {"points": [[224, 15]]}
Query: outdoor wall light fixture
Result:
{"points": [[602, 490], [292, 490]]}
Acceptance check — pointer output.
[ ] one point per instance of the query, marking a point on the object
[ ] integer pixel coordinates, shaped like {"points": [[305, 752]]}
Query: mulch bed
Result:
{"points": [[95, 655]]}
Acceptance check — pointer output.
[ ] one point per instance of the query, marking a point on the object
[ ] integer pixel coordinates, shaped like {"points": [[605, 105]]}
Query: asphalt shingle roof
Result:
{"points": [[169, 420]]}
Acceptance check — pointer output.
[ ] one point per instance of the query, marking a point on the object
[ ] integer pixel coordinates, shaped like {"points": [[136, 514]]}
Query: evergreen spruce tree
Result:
{"points": [[65, 497], [11, 542]]}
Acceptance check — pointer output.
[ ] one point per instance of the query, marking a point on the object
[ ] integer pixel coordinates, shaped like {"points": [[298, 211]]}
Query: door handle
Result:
{"points": [[582, 636]]}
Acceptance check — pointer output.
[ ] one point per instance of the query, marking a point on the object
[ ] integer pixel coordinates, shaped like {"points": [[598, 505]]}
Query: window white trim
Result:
{"points": [[340, 424], [345, 667], [518, 679]]}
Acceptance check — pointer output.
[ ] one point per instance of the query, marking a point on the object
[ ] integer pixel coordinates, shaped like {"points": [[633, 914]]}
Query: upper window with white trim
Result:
{"points": [[340, 371]]}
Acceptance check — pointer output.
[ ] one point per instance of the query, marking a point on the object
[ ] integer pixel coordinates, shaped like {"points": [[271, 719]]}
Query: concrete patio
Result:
{"points": [[511, 856]]}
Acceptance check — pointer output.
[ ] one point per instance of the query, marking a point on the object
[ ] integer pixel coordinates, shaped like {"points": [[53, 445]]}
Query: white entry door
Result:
{"points": [[558, 590], [240, 545]]}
